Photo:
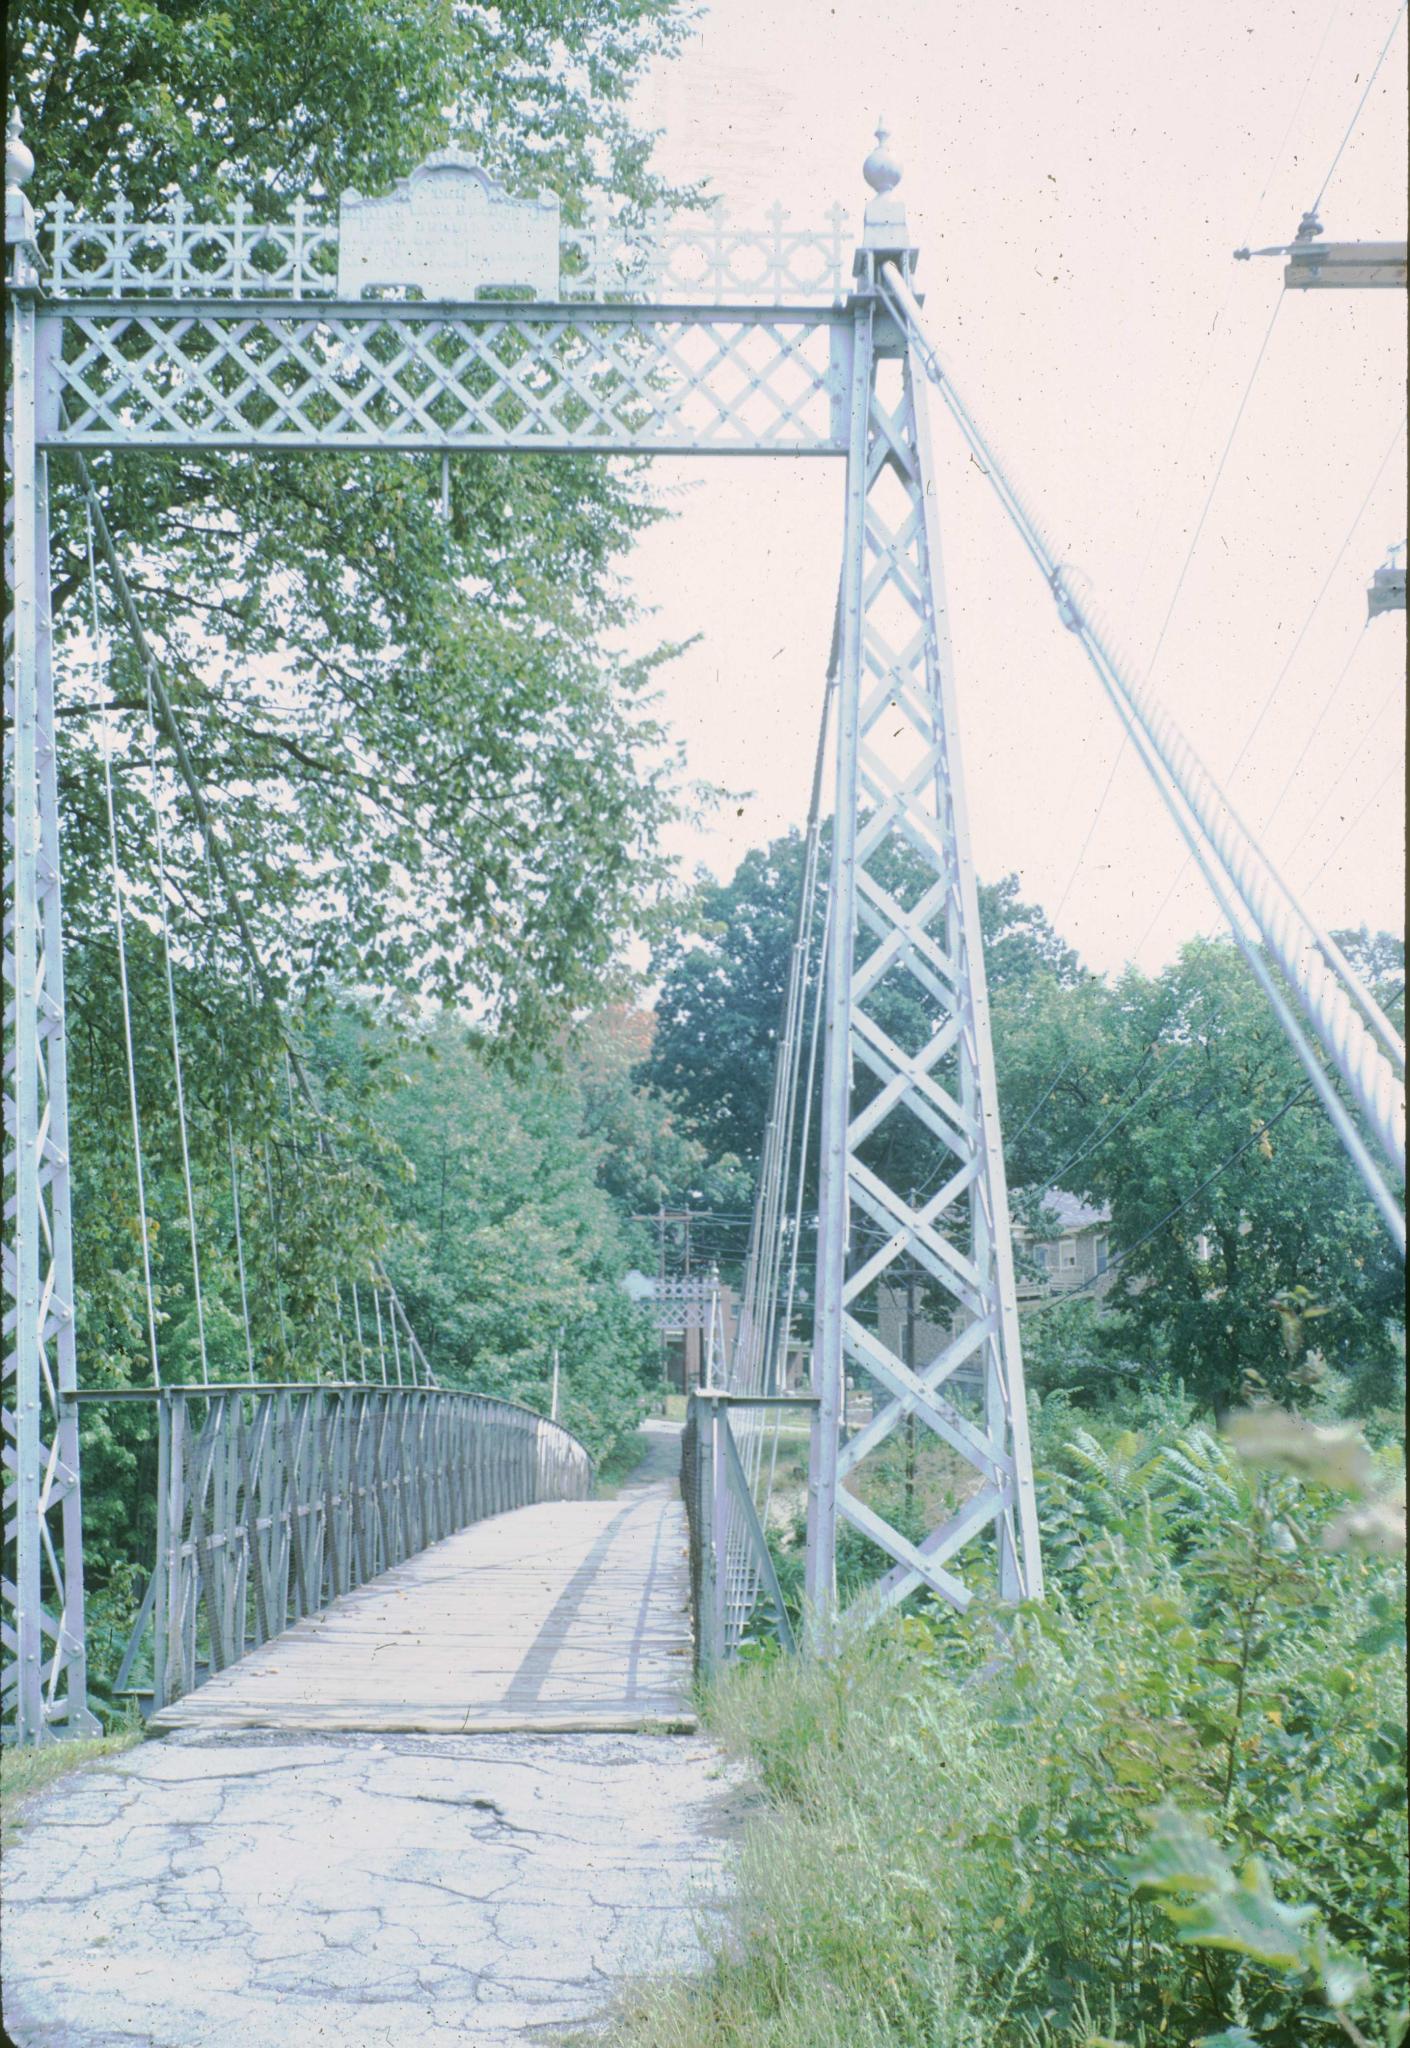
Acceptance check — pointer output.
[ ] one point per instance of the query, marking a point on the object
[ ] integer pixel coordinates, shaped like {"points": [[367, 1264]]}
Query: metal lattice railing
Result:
{"points": [[731, 1564], [273, 1501], [702, 258]]}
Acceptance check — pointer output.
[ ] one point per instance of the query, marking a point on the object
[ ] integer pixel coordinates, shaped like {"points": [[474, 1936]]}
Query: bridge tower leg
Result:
{"points": [[912, 1169], [45, 1680]]}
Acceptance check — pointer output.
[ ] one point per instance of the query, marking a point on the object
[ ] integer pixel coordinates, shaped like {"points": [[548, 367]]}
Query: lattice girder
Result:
{"points": [[44, 1690], [909, 1079], [617, 379]]}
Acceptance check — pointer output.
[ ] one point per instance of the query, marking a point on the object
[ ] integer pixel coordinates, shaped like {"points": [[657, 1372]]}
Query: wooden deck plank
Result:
{"points": [[568, 1617]]}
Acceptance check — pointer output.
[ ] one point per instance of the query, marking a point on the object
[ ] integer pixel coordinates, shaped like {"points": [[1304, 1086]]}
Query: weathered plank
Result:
{"points": [[568, 1616]]}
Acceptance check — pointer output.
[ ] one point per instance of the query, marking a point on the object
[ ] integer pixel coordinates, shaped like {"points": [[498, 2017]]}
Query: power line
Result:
{"points": [[1356, 646], [1393, 695], [1163, 1074], [1292, 123], [1299, 1094], [1359, 515], [1360, 104], [1370, 803], [1277, 682], [1214, 484], [1120, 753]]}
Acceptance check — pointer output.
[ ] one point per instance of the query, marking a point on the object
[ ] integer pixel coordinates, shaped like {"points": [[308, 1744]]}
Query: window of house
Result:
{"points": [[1067, 1252], [1102, 1255]]}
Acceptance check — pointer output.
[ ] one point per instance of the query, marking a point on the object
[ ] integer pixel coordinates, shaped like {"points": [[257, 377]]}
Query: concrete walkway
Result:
{"points": [[262, 1886]]}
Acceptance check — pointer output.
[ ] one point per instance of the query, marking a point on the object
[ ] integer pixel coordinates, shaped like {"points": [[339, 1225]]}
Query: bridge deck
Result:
{"points": [[572, 1616]]}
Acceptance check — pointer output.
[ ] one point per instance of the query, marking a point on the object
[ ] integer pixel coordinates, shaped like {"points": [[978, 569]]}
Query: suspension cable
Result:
{"points": [[240, 1250], [1326, 987], [338, 1324], [229, 1127], [357, 1328], [381, 1341], [255, 960], [123, 986], [274, 1246], [176, 1060]]}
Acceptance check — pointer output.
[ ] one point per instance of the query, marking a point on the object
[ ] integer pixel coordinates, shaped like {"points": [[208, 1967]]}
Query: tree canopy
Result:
{"points": [[427, 766], [1247, 1258]]}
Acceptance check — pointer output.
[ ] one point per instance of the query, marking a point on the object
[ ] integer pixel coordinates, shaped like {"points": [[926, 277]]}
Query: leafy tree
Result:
{"points": [[503, 1240], [1250, 1255], [427, 768], [724, 978], [645, 1157]]}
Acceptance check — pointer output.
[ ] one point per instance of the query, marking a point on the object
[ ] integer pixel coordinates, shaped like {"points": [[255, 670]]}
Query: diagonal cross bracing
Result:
{"points": [[614, 379], [913, 1190]]}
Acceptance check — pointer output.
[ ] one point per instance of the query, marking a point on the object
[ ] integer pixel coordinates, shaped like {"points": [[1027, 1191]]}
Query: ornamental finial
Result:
{"points": [[881, 170], [19, 157]]}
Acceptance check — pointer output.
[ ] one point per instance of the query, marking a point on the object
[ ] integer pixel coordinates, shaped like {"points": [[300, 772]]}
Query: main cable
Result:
{"points": [[1325, 986]]}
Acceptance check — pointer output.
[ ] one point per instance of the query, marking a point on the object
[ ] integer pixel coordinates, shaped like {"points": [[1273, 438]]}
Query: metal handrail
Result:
{"points": [[725, 1530], [274, 1500]]}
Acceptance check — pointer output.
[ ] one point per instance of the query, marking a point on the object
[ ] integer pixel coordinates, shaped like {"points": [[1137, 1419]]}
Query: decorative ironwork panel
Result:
{"points": [[909, 1073], [614, 380], [275, 1501], [707, 257], [682, 1304], [693, 258]]}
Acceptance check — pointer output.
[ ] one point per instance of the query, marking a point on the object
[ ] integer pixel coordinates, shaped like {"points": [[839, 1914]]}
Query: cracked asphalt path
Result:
{"points": [[259, 1888]]}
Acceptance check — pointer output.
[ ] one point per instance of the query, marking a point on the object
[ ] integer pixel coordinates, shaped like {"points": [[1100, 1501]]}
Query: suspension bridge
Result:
{"points": [[367, 1549]]}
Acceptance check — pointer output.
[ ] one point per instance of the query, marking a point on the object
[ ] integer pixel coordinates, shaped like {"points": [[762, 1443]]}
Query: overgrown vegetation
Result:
{"points": [[965, 1842]]}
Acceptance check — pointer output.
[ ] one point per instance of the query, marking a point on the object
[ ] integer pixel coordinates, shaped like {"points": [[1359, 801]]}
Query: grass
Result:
{"points": [[841, 1903], [621, 1461], [25, 1772]]}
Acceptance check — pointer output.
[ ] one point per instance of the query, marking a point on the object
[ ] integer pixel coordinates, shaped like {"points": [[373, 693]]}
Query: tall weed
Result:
{"points": [[942, 1862]]}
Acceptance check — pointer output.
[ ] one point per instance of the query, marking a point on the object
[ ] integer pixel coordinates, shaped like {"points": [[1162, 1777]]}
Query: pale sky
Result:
{"points": [[1076, 180]]}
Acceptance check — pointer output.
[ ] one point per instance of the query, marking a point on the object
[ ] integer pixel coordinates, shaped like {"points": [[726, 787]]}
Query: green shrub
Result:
{"points": [[947, 1850]]}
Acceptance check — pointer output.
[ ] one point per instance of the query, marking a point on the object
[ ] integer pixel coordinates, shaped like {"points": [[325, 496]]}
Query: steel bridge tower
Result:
{"points": [[905, 922]]}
